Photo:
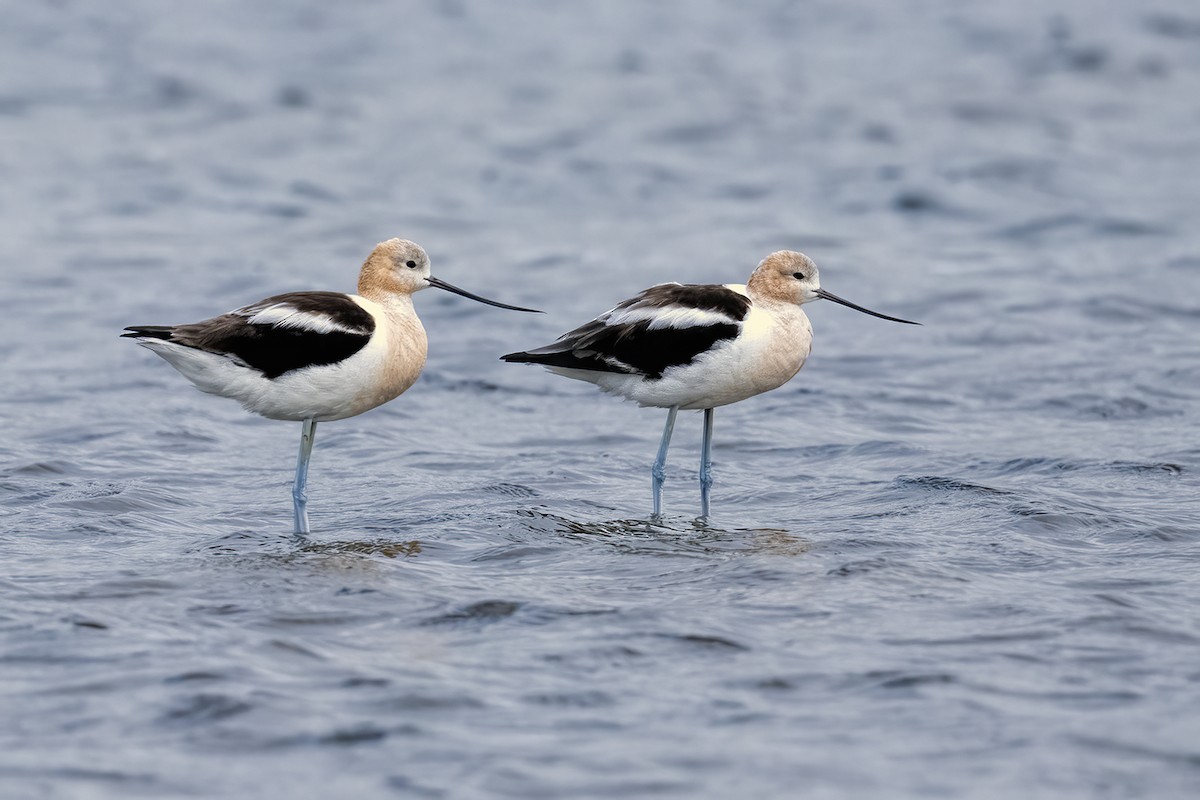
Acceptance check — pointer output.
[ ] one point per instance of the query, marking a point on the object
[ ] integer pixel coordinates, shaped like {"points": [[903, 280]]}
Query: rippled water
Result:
{"points": [[956, 560]]}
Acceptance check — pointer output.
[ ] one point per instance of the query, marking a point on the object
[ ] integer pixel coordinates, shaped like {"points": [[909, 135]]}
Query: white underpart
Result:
{"points": [[283, 315], [773, 345], [328, 392]]}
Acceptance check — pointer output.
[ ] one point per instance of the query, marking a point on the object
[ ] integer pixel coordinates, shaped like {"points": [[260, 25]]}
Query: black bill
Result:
{"points": [[830, 296], [441, 284]]}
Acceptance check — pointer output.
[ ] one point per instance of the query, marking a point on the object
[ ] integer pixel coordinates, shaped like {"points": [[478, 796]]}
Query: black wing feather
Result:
{"points": [[272, 348], [603, 345]]}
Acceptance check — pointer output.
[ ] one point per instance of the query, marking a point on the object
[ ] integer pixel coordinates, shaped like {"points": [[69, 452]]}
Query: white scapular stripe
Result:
{"points": [[669, 317], [282, 315]]}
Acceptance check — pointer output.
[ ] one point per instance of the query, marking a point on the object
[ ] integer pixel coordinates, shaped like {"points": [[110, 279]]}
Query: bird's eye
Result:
{"points": [[798, 276], [411, 265]]}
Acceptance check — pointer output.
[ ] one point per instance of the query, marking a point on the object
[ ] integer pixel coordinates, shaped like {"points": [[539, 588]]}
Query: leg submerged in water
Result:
{"points": [[659, 471], [300, 487], [706, 463]]}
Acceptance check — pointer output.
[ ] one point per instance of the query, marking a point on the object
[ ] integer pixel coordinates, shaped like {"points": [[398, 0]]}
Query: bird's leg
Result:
{"points": [[706, 463], [659, 471], [300, 487]]}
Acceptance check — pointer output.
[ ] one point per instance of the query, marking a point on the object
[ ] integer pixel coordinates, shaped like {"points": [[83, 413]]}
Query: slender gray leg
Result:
{"points": [[706, 463], [659, 471], [300, 487]]}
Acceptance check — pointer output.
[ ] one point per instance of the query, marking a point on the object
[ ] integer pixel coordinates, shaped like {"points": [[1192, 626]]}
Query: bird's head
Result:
{"points": [[396, 266], [790, 277], [399, 266]]}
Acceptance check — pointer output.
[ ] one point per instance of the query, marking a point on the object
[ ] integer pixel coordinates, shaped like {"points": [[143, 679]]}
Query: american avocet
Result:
{"points": [[313, 356], [697, 347]]}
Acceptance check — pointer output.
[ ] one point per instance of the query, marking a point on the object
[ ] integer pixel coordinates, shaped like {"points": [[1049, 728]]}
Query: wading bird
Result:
{"points": [[697, 347], [313, 356]]}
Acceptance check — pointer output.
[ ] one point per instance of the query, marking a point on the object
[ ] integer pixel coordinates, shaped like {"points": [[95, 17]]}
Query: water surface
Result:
{"points": [[956, 560]]}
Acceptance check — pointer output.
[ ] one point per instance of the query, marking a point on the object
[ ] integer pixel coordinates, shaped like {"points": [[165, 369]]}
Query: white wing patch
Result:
{"points": [[675, 316], [283, 315]]}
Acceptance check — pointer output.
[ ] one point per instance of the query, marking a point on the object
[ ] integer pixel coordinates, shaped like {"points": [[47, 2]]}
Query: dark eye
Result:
{"points": [[411, 265], [798, 276]]}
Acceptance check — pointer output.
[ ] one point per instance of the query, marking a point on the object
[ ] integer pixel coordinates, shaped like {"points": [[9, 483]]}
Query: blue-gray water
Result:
{"points": [[959, 560]]}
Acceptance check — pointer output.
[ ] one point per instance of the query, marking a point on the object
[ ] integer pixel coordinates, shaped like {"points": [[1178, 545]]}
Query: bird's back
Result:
{"points": [[665, 326]]}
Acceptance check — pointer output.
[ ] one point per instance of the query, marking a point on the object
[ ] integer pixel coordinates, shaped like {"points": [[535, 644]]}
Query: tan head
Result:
{"points": [[790, 277], [785, 277], [401, 267], [396, 266]]}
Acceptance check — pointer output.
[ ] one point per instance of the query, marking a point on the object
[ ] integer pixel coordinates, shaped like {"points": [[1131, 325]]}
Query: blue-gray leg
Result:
{"points": [[300, 487], [706, 463], [659, 471]]}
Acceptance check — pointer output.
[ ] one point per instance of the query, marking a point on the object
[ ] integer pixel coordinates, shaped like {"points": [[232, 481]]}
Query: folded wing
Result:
{"points": [[278, 335], [665, 326]]}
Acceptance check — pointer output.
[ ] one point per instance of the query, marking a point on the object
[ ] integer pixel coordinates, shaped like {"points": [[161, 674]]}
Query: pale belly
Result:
{"points": [[334, 392], [380, 372]]}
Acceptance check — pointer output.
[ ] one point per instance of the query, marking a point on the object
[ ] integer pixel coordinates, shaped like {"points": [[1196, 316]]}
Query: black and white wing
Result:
{"points": [[278, 335], [665, 326]]}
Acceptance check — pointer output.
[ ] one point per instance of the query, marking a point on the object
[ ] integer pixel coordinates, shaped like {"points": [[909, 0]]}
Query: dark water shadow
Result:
{"points": [[665, 535], [294, 549], [376, 547]]}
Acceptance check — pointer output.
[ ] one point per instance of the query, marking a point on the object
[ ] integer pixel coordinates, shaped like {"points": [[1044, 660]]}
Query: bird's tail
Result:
{"points": [[562, 359], [148, 332], [535, 357]]}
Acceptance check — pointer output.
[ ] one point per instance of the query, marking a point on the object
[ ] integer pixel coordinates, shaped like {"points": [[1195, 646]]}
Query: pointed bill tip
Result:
{"points": [[441, 284], [831, 296]]}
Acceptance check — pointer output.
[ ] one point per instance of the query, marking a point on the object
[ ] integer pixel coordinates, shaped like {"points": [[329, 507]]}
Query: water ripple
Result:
{"points": [[948, 561]]}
